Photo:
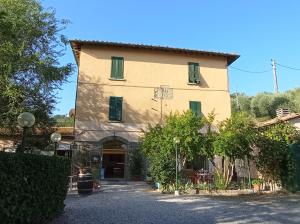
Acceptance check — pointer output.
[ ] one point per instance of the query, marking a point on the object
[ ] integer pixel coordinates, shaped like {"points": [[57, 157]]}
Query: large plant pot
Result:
{"points": [[85, 183], [256, 187]]}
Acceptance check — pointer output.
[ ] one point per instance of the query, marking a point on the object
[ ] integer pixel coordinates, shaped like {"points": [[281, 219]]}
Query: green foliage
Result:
{"points": [[240, 102], [204, 186], [257, 182], [63, 121], [284, 132], [261, 105], [136, 163], [158, 144], [220, 182], [33, 187], [209, 138], [274, 160], [234, 141], [236, 135], [183, 187], [30, 45], [270, 158], [264, 105]]}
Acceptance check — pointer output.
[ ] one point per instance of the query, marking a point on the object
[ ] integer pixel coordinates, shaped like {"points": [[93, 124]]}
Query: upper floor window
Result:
{"points": [[194, 74], [115, 108], [117, 68], [195, 106]]}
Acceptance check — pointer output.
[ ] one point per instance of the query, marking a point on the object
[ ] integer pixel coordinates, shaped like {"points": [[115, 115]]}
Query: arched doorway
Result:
{"points": [[114, 154]]}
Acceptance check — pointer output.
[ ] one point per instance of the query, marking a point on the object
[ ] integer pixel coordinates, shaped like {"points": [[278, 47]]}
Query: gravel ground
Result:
{"points": [[136, 203]]}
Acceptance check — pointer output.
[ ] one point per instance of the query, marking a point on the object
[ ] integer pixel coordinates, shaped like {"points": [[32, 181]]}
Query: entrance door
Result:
{"points": [[113, 163]]}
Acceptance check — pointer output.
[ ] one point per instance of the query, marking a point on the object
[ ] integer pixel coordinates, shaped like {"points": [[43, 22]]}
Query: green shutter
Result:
{"points": [[115, 108], [196, 72], [117, 67], [195, 106], [191, 72], [112, 110], [119, 102]]}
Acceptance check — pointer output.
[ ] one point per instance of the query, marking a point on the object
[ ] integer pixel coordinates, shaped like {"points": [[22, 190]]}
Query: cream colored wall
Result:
{"points": [[143, 71]]}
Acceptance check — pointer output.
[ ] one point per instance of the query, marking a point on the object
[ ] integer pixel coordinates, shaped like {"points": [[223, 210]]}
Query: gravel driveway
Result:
{"points": [[135, 203]]}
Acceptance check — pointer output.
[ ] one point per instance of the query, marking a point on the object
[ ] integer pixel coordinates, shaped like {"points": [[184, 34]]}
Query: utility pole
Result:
{"points": [[275, 76]]}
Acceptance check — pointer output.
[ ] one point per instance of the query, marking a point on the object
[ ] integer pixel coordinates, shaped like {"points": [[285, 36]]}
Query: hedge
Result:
{"points": [[32, 187]]}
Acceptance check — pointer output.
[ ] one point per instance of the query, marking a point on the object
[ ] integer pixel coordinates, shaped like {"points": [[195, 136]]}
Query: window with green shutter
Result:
{"points": [[115, 108], [195, 106], [117, 68], [194, 73]]}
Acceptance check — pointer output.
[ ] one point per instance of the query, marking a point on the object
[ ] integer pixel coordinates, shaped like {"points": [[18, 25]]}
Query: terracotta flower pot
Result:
{"points": [[256, 187]]}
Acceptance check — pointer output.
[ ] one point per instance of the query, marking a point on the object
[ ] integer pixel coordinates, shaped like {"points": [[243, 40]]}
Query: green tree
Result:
{"points": [[240, 102], [159, 148], [273, 159], [261, 105], [63, 121], [30, 74], [294, 99], [234, 141]]}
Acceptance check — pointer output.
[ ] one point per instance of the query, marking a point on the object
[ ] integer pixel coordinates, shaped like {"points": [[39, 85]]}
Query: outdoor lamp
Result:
{"points": [[55, 137], [176, 140], [25, 120]]}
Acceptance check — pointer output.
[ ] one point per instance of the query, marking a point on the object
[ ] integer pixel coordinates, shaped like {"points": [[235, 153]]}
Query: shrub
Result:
{"points": [[33, 187], [257, 182], [159, 147]]}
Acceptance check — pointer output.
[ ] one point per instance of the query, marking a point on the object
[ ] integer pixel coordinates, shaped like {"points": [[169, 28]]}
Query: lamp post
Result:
{"points": [[25, 120], [55, 137], [176, 141]]}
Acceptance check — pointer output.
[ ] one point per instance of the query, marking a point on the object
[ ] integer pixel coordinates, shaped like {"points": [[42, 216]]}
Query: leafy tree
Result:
{"points": [[273, 159], [264, 105], [234, 141], [240, 102], [279, 101], [30, 45], [261, 105], [294, 99], [63, 121], [158, 144]]}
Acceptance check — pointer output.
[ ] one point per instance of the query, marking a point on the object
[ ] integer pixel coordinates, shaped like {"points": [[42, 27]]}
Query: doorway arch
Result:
{"points": [[114, 153]]}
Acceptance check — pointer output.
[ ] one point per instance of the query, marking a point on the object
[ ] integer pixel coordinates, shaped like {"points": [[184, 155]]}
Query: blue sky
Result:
{"points": [[257, 30]]}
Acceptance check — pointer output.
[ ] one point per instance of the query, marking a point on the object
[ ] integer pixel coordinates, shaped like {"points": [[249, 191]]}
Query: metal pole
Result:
{"points": [[249, 173], [275, 76], [176, 167], [55, 146], [23, 139]]}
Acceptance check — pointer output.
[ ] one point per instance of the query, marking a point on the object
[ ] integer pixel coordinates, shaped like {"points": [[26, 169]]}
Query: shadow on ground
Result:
{"points": [[136, 203]]}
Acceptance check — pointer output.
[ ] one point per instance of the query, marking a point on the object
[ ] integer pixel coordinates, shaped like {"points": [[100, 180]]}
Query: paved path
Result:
{"points": [[135, 203]]}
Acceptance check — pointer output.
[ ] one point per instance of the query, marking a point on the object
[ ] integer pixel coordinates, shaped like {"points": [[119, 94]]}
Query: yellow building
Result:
{"points": [[122, 88]]}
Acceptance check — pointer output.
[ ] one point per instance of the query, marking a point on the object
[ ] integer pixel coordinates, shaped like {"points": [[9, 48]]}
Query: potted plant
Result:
{"points": [[256, 183]]}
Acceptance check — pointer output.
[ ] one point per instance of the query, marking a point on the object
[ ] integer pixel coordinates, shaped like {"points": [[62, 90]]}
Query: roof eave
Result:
{"points": [[76, 44]]}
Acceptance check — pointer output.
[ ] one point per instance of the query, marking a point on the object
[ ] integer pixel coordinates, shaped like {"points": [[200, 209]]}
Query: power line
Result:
{"points": [[248, 71], [284, 66]]}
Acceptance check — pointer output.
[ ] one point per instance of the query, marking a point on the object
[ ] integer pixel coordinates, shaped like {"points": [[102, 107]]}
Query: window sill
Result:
{"points": [[114, 121], [193, 84], [113, 79]]}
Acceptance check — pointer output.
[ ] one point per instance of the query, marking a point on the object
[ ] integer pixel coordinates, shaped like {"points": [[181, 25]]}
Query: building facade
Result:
{"points": [[122, 88]]}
